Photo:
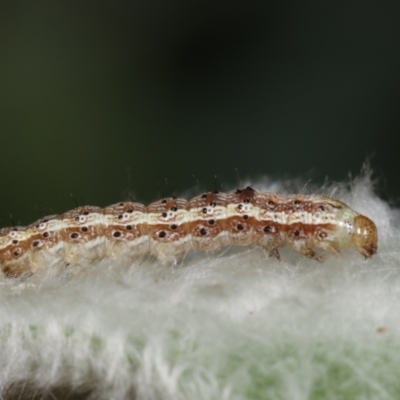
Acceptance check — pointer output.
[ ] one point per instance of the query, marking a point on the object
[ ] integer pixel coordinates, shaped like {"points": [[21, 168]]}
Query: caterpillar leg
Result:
{"points": [[306, 251], [275, 254], [329, 247]]}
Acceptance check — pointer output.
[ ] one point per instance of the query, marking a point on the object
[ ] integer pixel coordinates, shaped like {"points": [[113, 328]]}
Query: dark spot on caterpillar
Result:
{"points": [[163, 201], [117, 234], [35, 243], [121, 204], [296, 233], [84, 229], [322, 208], [45, 234], [246, 201], [271, 205], [15, 241], [297, 202], [239, 227], [120, 216], [16, 253], [164, 214], [203, 231], [240, 206], [85, 213], [205, 210], [250, 188], [216, 191], [238, 191], [245, 216], [74, 235], [323, 235], [129, 227], [76, 218], [130, 210], [213, 204], [204, 196], [162, 234], [211, 221], [174, 197], [174, 209], [173, 226], [267, 229]]}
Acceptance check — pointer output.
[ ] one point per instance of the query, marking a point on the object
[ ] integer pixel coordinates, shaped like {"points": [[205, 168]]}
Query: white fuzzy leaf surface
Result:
{"points": [[232, 325]]}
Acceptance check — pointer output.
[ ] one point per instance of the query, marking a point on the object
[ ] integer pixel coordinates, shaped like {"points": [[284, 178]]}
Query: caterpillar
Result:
{"points": [[172, 226]]}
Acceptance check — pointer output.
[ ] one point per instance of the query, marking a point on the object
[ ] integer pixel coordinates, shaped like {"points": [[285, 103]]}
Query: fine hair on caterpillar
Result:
{"points": [[170, 227]]}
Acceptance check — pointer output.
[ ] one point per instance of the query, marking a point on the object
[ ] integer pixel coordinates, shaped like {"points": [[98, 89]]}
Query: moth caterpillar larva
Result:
{"points": [[170, 227]]}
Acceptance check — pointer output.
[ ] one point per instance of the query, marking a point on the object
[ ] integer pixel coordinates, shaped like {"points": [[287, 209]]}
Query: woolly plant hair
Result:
{"points": [[231, 325]]}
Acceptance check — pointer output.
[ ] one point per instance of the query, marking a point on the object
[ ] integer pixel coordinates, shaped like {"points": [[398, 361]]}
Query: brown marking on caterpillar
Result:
{"points": [[207, 221], [170, 227]]}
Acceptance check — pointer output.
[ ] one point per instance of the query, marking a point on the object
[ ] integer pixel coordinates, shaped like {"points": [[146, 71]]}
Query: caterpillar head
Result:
{"points": [[365, 236]]}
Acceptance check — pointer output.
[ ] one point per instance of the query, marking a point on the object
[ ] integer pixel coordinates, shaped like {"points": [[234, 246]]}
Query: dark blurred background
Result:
{"points": [[98, 98]]}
